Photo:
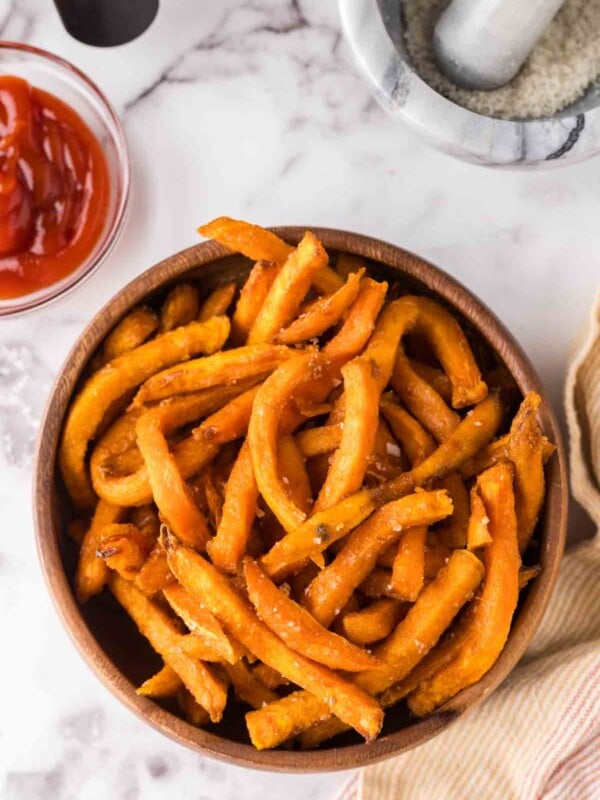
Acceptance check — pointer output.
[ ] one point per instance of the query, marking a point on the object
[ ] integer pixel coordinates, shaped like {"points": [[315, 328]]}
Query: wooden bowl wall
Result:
{"points": [[107, 638]]}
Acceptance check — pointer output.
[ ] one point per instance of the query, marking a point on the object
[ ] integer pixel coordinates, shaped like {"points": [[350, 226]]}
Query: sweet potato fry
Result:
{"points": [[297, 628], [415, 441], [207, 585], [92, 571], [156, 626], [414, 636], [478, 534], [132, 331], [218, 301], [387, 459], [332, 587], [498, 450], [261, 245], [453, 531], [374, 622], [435, 377], [202, 623], [275, 723], [323, 314], [485, 627], [252, 296], [191, 454], [349, 463], [223, 368], [124, 548], [269, 677], [239, 510], [120, 438], [326, 526], [408, 570], [165, 683], [422, 400], [247, 686], [192, 711], [168, 487], [421, 315], [316, 441], [251, 240], [359, 323], [113, 382], [155, 575], [289, 288], [527, 574], [265, 427], [526, 451], [180, 307]]}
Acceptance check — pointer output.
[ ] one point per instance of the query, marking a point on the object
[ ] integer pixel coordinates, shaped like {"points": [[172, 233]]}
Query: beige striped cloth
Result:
{"points": [[538, 735]]}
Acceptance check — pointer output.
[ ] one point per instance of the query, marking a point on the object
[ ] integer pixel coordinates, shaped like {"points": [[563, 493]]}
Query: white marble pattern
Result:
{"points": [[251, 109]]}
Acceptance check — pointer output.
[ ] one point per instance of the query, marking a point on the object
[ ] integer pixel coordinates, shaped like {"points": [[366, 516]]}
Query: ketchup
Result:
{"points": [[54, 189]]}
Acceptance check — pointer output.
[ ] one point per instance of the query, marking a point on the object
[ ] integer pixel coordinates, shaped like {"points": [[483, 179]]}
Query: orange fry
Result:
{"points": [[298, 629], [317, 441], [165, 683], [359, 323], [125, 548], [349, 464], [113, 382], [223, 368], [485, 627], [323, 314], [415, 441], [180, 307], [202, 623], [478, 534], [408, 571], [261, 245], [252, 296], [92, 571], [214, 591], [526, 451], [247, 686], [422, 399], [191, 454], [132, 331], [239, 510], [155, 575], [374, 622], [156, 626], [415, 635], [332, 587], [289, 288], [325, 527], [218, 301], [424, 316], [168, 487]]}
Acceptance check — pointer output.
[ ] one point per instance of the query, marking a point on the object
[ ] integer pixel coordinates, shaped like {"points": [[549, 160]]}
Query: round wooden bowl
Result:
{"points": [[105, 636]]}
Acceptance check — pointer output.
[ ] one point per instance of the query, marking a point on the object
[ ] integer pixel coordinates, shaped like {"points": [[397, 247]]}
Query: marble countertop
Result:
{"points": [[250, 109]]}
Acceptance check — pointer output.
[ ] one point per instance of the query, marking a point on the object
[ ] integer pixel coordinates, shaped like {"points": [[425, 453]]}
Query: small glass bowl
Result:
{"points": [[55, 75]]}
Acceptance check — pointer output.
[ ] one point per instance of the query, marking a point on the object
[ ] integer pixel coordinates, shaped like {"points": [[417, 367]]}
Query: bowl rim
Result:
{"points": [[35, 300], [332, 759]]}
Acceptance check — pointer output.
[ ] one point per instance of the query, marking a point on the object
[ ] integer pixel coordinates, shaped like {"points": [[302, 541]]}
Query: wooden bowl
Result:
{"points": [[105, 636]]}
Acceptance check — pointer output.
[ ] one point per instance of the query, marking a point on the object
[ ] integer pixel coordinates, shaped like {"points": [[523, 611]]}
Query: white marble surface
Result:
{"points": [[250, 109]]}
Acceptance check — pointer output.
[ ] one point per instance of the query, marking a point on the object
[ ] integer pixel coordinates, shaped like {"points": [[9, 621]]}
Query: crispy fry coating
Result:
{"points": [[208, 586], [113, 382]]}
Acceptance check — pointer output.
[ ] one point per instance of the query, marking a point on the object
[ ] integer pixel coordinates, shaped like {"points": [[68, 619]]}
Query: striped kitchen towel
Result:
{"points": [[538, 735]]}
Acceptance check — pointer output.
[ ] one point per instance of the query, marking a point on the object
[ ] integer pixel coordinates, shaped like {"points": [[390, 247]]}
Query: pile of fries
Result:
{"points": [[314, 502]]}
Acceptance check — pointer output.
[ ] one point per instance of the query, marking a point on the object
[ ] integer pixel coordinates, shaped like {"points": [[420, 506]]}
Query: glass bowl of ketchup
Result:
{"points": [[64, 177]]}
